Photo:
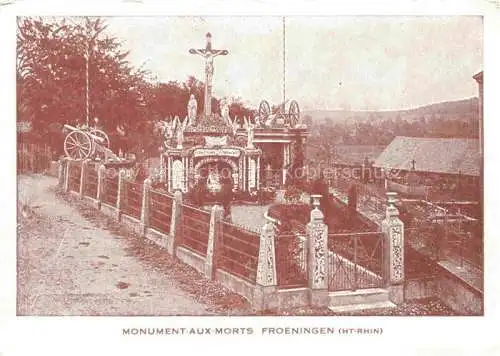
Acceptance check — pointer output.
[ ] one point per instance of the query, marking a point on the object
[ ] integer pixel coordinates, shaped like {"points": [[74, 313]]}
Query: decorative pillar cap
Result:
{"points": [[316, 214], [391, 207]]}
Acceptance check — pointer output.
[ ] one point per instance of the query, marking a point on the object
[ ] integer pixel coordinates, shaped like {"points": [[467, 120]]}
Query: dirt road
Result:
{"points": [[74, 261]]}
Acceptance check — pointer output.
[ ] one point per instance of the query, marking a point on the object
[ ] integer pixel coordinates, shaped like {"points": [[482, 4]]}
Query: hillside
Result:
{"points": [[462, 110]]}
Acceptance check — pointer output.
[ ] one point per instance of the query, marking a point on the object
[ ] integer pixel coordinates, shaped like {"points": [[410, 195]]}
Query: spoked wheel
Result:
{"points": [[294, 114], [78, 145], [264, 110], [102, 138]]}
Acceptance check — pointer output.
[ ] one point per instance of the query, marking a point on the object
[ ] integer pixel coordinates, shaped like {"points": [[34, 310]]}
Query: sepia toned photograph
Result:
{"points": [[250, 166]]}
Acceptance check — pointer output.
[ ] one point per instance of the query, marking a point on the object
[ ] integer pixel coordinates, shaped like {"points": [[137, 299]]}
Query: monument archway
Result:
{"points": [[224, 168]]}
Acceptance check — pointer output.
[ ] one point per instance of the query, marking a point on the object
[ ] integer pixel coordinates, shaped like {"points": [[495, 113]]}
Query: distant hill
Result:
{"points": [[463, 110]]}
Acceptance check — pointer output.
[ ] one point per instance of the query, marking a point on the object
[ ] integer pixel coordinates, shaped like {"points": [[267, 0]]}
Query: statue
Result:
{"points": [[192, 110], [213, 181], [180, 137], [225, 110], [250, 136], [208, 53]]}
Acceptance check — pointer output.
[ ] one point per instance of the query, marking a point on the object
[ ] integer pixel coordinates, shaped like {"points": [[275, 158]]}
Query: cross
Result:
{"points": [[209, 54], [413, 164]]}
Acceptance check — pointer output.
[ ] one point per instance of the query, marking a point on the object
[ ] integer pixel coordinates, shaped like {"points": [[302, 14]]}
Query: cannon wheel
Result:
{"points": [[264, 110], [78, 145], [294, 113], [101, 134]]}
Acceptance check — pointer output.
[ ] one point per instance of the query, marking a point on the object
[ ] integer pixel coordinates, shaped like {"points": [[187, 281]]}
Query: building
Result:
{"points": [[438, 164], [208, 147]]}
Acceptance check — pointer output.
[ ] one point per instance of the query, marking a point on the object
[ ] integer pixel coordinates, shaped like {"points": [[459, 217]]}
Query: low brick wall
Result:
{"points": [[160, 239], [420, 288], [191, 258], [131, 223], [458, 295], [236, 284], [92, 202], [109, 210], [293, 298]]}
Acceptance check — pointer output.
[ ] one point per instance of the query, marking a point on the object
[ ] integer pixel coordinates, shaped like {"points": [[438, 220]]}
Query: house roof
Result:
{"points": [[356, 154], [436, 155]]}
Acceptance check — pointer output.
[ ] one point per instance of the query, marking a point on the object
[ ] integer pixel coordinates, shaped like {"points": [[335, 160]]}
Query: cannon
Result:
{"points": [[81, 143], [291, 118]]}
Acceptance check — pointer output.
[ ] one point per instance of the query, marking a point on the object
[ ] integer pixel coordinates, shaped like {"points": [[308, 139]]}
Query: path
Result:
{"points": [[69, 264]]}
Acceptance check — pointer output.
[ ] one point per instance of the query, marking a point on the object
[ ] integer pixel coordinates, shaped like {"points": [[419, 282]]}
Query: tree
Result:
{"points": [[52, 57]]}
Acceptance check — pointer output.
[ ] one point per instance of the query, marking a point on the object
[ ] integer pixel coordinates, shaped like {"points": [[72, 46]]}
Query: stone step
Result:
{"points": [[361, 296], [364, 306]]}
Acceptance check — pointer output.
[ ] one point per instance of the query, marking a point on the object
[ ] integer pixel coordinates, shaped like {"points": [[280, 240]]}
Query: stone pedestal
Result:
{"points": [[214, 236], [66, 175], [145, 213], [175, 222], [101, 176], [317, 239], [393, 229], [83, 177], [266, 280], [120, 194]]}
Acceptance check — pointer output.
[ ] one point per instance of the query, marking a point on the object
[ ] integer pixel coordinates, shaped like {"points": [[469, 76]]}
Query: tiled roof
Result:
{"points": [[356, 154], [437, 155]]}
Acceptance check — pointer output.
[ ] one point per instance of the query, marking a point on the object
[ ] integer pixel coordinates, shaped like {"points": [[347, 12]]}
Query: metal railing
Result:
{"points": [[291, 261], [160, 212], [239, 252], [356, 261]]}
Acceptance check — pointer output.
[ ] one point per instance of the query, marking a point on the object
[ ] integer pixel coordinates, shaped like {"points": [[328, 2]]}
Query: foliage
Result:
{"points": [[52, 57], [292, 194]]}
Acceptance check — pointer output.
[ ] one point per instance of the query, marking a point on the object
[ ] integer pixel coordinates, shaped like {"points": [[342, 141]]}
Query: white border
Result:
{"points": [[96, 336]]}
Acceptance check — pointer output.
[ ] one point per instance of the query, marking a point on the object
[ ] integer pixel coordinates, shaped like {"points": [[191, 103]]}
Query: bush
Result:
{"points": [[291, 216]]}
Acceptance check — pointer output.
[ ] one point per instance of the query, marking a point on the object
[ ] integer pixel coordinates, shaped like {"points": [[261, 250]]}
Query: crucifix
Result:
{"points": [[413, 164], [209, 54]]}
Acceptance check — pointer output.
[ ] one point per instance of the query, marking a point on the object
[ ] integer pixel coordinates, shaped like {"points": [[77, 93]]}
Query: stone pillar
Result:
{"points": [[258, 172], [101, 176], [121, 194], [66, 175], [169, 173], [60, 172], [393, 229], [317, 239], [266, 281], [146, 188], [175, 221], [214, 236], [285, 163], [83, 176]]}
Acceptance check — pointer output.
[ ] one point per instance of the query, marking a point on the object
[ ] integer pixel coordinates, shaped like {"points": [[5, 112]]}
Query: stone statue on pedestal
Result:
{"points": [[180, 137], [225, 110], [250, 136], [192, 110]]}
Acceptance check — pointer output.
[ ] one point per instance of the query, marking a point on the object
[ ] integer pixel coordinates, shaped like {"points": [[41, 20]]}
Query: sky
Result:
{"points": [[352, 63]]}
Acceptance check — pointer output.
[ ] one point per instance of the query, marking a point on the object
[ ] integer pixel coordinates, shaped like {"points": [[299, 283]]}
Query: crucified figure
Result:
{"points": [[209, 54]]}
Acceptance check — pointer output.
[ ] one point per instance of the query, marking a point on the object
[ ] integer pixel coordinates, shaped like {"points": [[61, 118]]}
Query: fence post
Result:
{"points": [[394, 267], [266, 279], [317, 237], [101, 176], [146, 188], [60, 172], [83, 177], [66, 177], [175, 222], [214, 236], [120, 193]]}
